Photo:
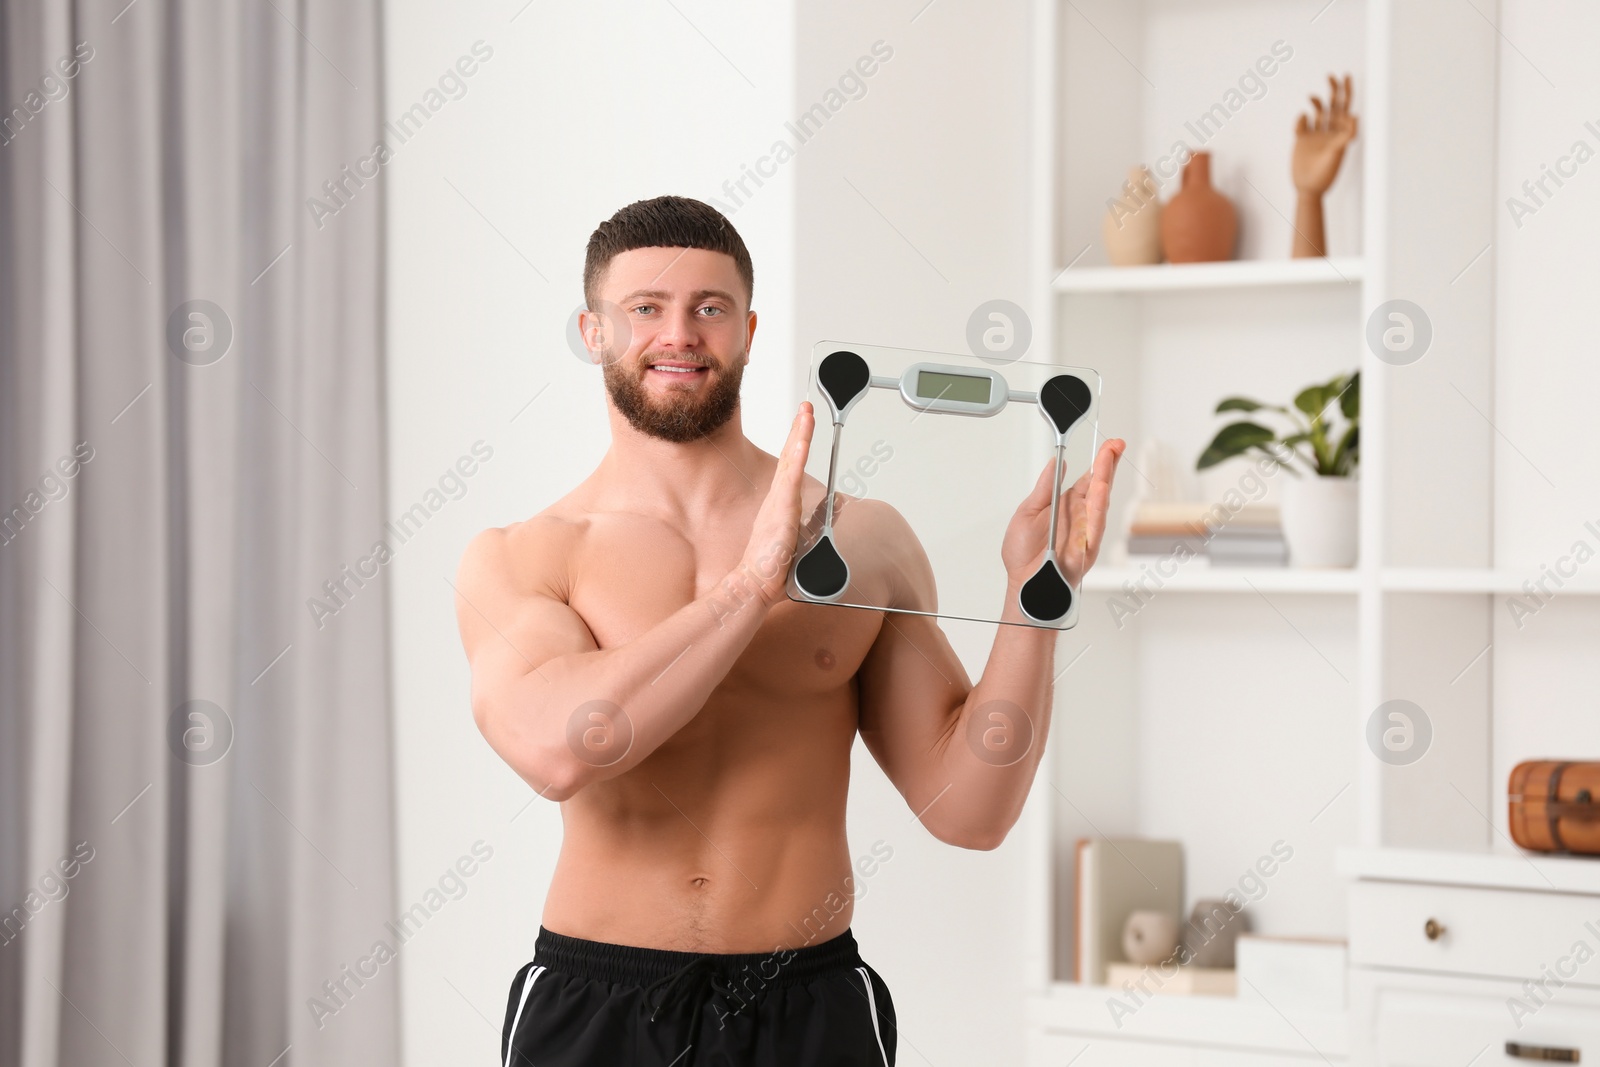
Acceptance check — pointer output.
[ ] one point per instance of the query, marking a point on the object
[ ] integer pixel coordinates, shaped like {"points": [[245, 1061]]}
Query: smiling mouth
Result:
{"points": [[678, 369]]}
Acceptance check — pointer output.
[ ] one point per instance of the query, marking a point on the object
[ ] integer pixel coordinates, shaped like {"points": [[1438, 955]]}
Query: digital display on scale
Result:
{"points": [[968, 388]]}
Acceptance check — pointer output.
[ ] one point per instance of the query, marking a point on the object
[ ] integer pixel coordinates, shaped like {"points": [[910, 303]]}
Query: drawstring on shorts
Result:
{"points": [[696, 982]]}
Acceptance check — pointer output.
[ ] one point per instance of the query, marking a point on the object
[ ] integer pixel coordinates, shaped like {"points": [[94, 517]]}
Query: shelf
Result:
{"points": [[1482, 580], [1233, 1022], [1202, 578], [1232, 274], [1197, 577], [1519, 870]]}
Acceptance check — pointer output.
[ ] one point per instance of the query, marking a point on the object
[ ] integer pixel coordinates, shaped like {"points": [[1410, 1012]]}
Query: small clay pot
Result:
{"points": [[1131, 228], [1149, 936], [1213, 928], [1199, 225]]}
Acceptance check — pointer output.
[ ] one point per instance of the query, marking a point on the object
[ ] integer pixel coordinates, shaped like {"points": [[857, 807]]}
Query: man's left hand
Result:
{"points": [[1079, 527]]}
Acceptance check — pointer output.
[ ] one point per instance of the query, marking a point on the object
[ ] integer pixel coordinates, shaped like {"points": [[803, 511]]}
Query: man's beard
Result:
{"points": [[680, 415]]}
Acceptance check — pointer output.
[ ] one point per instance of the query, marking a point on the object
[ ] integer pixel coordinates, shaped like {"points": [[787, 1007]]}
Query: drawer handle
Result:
{"points": [[1434, 929], [1541, 1052]]}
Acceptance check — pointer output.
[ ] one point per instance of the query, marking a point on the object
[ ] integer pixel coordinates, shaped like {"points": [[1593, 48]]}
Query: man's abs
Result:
{"points": [[730, 837]]}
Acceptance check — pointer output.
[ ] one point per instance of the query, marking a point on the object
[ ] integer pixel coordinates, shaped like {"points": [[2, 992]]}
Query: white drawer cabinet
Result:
{"points": [[1471, 930], [1433, 1021], [1459, 959]]}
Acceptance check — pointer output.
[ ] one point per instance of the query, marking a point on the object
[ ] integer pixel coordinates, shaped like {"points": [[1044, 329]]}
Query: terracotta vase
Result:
{"points": [[1198, 225], [1132, 225]]}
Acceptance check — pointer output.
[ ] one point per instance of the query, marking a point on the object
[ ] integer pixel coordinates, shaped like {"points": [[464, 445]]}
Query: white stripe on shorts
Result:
{"points": [[872, 1006], [527, 986]]}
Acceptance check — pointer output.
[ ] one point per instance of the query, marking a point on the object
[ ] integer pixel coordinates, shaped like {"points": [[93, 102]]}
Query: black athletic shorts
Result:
{"points": [[587, 1002]]}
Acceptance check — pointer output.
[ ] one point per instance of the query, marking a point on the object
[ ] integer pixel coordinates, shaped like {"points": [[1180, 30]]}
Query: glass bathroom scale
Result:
{"points": [[918, 463]]}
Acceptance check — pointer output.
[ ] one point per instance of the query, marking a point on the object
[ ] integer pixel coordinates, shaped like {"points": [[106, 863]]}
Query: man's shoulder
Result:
{"points": [[877, 519], [528, 554], [882, 541]]}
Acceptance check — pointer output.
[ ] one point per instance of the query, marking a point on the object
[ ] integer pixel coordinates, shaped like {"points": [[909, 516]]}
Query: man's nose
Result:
{"points": [[678, 328]]}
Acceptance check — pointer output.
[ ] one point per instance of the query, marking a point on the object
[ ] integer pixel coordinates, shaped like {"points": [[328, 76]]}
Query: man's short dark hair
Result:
{"points": [[664, 222]]}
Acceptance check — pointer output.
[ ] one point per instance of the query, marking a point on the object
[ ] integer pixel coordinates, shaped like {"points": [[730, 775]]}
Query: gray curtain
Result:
{"points": [[196, 830]]}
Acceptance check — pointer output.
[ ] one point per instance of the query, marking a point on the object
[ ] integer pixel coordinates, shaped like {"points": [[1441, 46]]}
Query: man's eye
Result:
{"points": [[643, 307], [712, 309]]}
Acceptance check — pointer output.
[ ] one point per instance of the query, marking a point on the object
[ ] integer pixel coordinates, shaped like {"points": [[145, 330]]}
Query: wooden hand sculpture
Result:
{"points": [[1318, 150]]}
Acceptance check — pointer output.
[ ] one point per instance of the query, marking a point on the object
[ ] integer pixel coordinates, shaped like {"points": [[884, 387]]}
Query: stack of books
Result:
{"points": [[1165, 528], [1249, 536]]}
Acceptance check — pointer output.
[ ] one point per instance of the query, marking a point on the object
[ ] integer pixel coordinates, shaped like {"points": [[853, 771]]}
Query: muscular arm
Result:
{"points": [[547, 699], [965, 756], [564, 712]]}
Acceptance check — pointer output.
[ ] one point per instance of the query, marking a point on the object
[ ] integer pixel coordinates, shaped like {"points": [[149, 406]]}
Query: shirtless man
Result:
{"points": [[635, 658]]}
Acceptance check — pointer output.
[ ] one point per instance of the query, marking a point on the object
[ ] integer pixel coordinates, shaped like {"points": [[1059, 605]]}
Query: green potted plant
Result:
{"points": [[1319, 511]]}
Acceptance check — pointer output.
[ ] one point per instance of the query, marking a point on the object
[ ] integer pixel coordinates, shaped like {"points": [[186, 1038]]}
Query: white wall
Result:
{"points": [[580, 110], [1547, 376], [912, 210]]}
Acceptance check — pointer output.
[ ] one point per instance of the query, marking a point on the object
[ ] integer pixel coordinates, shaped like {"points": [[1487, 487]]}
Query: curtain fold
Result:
{"points": [[196, 828]]}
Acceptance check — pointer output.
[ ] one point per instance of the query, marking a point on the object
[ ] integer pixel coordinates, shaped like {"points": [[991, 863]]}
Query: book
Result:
{"points": [[1248, 533], [1168, 529], [1117, 876], [1158, 545], [1227, 559], [1257, 549], [1202, 514]]}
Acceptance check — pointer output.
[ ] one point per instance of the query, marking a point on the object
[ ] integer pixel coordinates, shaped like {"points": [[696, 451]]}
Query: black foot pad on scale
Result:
{"points": [[1046, 596], [1065, 399], [822, 573], [843, 376]]}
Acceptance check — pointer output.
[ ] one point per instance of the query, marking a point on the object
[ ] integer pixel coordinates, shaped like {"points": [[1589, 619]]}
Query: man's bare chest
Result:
{"points": [[622, 587]]}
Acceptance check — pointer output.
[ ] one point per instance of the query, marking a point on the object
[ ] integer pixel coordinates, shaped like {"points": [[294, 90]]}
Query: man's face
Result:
{"points": [[675, 333]]}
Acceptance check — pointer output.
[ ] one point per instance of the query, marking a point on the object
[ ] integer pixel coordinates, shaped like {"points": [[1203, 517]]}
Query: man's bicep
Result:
{"points": [[911, 683]]}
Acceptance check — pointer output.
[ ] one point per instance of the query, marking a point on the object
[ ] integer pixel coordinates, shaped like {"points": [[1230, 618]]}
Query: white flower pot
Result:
{"points": [[1319, 520]]}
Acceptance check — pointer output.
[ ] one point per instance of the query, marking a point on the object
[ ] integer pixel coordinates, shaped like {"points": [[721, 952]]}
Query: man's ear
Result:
{"points": [[609, 326], [750, 335], [588, 326]]}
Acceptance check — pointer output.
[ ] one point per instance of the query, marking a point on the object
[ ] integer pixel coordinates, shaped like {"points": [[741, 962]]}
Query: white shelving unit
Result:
{"points": [[1480, 580], [1230, 722], [1234, 274], [1195, 578], [1202, 579]]}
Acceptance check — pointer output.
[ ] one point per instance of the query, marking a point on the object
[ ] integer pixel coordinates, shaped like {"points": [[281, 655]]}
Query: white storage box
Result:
{"points": [[1289, 973]]}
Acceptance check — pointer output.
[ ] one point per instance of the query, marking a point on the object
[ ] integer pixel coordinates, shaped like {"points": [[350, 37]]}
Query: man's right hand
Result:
{"points": [[776, 532]]}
